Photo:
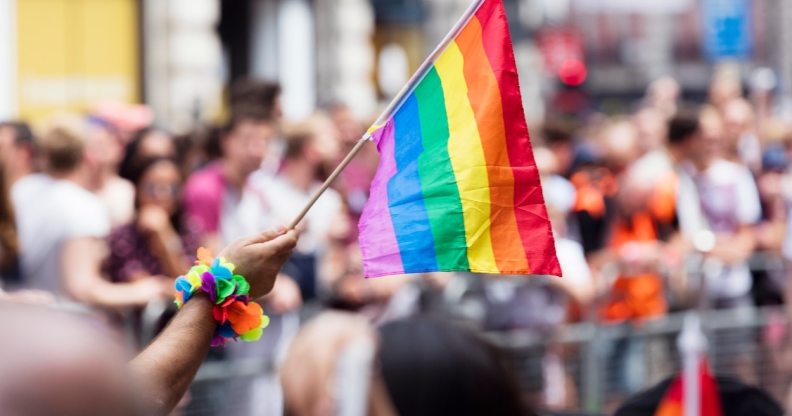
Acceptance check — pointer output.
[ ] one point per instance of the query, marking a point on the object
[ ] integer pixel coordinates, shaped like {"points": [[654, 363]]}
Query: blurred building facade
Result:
{"points": [[177, 55]]}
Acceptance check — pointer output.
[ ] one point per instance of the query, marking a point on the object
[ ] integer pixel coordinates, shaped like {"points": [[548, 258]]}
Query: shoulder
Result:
{"points": [[204, 182], [23, 187]]}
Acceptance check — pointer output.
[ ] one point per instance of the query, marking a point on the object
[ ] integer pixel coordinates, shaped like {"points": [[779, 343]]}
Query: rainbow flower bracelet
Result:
{"points": [[236, 315]]}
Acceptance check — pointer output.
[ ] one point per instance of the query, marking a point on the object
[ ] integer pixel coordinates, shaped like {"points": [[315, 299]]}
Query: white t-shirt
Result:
{"points": [[285, 202], [720, 199], [49, 213], [243, 214]]}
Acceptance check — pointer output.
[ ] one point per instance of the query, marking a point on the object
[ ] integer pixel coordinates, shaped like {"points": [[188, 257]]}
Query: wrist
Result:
{"points": [[226, 297]]}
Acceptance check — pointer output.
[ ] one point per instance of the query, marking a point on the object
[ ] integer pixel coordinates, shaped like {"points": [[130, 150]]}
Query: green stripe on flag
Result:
{"points": [[438, 183]]}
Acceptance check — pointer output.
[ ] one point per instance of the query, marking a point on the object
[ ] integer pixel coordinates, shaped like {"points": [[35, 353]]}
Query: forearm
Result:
{"points": [[112, 295], [169, 250], [167, 367]]}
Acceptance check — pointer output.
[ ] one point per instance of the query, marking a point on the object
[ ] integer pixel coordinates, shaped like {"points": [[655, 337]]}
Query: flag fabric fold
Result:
{"points": [[457, 187]]}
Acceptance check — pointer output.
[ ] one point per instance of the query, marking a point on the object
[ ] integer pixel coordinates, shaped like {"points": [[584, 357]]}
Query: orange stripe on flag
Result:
{"points": [[485, 98]]}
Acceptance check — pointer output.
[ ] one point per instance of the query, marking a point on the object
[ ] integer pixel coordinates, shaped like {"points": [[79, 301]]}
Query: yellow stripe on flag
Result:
{"points": [[467, 160]]}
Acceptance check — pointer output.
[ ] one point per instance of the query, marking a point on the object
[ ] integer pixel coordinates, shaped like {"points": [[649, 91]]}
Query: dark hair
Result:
{"points": [[9, 245], [23, 135], [684, 124], [435, 368], [295, 145], [558, 131], [148, 163], [252, 93], [127, 168]]}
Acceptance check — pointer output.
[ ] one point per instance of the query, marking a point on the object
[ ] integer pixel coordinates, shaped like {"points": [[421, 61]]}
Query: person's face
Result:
{"points": [[710, 141], [246, 145], [160, 186], [7, 139], [104, 148], [156, 144]]}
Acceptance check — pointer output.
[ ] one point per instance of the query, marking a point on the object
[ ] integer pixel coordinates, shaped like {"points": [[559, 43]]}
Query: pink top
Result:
{"points": [[203, 198]]}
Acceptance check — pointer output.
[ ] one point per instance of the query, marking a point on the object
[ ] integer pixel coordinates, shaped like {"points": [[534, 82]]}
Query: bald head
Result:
{"points": [[53, 362]]}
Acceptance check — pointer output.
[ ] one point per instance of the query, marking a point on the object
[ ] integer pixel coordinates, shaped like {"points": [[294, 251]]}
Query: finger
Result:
{"points": [[266, 236], [284, 242]]}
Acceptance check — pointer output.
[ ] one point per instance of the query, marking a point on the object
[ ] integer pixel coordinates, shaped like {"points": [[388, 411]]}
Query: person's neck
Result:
{"points": [[299, 173], [702, 164], [76, 176], [233, 175]]}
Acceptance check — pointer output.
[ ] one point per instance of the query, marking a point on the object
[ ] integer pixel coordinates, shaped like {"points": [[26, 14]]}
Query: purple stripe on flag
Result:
{"points": [[378, 243]]}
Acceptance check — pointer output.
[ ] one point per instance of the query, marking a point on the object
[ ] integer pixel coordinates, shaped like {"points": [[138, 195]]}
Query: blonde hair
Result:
{"points": [[62, 142]]}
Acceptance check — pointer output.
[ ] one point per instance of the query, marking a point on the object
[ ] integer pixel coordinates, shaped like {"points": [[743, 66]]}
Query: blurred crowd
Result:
{"points": [[668, 207]]}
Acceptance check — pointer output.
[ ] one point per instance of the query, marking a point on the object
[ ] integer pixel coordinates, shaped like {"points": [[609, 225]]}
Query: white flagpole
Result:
{"points": [[392, 107]]}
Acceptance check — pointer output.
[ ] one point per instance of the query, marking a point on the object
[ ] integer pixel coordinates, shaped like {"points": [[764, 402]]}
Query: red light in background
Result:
{"points": [[573, 72]]}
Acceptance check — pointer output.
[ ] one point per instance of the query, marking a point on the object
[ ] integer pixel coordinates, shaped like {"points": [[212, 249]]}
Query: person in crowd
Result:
{"points": [[325, 228], [221, 203], [663, 95], [769, 284], [80, 368], [722, 203], [264, 95], [596, 182], [103, 153], [652, 128], [741, 141], [339, 364], [145, 144], [62, 226], [155, 243], [17, 150], [9, 243], [353, 184]]}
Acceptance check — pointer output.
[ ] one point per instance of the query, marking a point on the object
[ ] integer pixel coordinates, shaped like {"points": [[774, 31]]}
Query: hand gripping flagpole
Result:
{"points": [[394, 106]]}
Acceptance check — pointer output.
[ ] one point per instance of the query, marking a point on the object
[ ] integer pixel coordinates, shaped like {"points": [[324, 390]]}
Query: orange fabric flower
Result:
{"points": [[243, 317]]}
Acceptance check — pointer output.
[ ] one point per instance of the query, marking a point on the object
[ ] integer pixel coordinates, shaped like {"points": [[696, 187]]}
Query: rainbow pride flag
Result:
{"points": [[457, 188]]}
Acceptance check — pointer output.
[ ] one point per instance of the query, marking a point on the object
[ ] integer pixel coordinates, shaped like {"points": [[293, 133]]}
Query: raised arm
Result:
{"points": [[167, 367]]}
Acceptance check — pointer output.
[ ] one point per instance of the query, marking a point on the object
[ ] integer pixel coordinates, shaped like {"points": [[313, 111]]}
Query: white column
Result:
{"points": [[345, 55], [8, 62], [183, 69], [296, 64], [264, 42]]}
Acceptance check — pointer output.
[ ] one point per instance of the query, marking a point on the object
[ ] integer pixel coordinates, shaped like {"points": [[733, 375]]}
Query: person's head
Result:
{"points": [[145, 144], [302, 146], [663, 94], [349, 127], [62, 144], [712, 134], [328, 366], [558, 138], [431, 367], [652, 125], [725, 86], [684, 131], [265, 95], [158, 182], [738, 117], [76, 369], [619, 139], [245, 138], [104, 149], [16, 149]]}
